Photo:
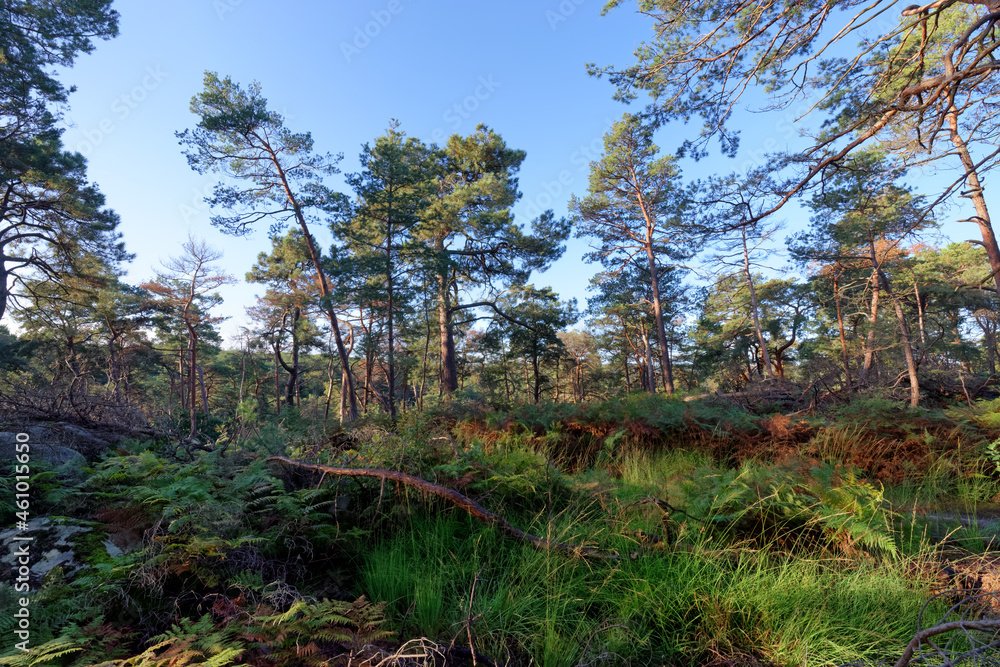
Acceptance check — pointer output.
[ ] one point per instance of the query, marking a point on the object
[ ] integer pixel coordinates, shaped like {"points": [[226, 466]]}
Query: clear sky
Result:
{"points": [[342, 70]]}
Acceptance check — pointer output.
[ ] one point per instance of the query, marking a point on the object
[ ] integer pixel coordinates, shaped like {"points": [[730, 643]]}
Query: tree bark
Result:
{"points": [[866, 368], [840, 325], [754, 309], [192, 387], [650, 375], [904, 330], [661, 330], [324, 286], [982, 217], [390, 375], [291, 384], [449, 363], [423, 365], [204, 390], [536, 376]]}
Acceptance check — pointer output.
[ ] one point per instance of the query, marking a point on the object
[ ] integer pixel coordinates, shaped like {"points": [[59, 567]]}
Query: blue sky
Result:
{"points": [[342, 70]]}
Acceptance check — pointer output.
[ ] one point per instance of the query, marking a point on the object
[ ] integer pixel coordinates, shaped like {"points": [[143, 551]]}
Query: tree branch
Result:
{"points": [[471, 507]]}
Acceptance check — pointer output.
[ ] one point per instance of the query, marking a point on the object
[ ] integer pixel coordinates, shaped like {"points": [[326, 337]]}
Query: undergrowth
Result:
{"points": [[766, 538]]}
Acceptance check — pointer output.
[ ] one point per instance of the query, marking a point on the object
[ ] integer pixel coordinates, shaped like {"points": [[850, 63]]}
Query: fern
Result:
{"points": [[831, 507], [291, 636], [191, 643], [44, 654]]}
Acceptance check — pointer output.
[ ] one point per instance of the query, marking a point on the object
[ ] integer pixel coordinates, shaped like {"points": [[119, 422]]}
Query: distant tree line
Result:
{"points": [[428, 290]]}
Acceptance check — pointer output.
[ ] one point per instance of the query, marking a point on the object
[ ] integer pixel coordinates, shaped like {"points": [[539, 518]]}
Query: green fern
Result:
{"points": [[191, 643], [44, 654], [830, 507], [291, 636]]}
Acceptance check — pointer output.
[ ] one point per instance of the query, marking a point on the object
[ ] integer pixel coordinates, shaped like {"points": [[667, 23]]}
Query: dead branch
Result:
{"points": [[963, 625], [471, 507]]}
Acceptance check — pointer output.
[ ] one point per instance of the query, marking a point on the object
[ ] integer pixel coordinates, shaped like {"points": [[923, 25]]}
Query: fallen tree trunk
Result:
{"points": [[471, 507]]}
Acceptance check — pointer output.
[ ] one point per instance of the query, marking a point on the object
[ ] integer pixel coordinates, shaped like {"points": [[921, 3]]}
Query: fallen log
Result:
{"points": [[471, 507]]}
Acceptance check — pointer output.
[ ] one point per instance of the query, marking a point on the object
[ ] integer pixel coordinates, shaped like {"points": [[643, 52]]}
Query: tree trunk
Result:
{"points": [[628, 378], [904, 328], [870, 337], [990, 338], [192, 386], [506, 376], [982, 217], [390, 375], [292, 382], [661, 330], [920, 312], [344, 390], [986, 323], [449, 363], [650, 219], [558, 367], [423, 365], [204, 390], [754, 309], [472, 508], [277, 381], [537, 377], [324, 286], [843, 338], [650, 375], [4, 288], [329, 388]]}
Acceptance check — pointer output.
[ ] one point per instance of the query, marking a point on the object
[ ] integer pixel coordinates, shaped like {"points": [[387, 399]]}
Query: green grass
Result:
{"points": [[773, 568], [661, 606]]}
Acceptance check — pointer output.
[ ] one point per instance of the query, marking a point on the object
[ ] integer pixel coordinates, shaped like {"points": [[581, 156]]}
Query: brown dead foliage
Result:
{"points": [[886, 451], [782, 428]]}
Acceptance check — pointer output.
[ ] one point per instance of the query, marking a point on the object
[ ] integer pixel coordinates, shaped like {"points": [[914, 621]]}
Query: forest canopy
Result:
{"points": [[766, 430]]}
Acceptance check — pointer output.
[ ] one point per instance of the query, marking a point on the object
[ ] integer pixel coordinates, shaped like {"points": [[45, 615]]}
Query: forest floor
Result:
{"points": [[695, 532]]}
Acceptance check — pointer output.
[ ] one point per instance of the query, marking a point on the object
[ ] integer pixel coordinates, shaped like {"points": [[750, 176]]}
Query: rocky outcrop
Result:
{"points": [[57, 444], [56, 543], [49, 547]]}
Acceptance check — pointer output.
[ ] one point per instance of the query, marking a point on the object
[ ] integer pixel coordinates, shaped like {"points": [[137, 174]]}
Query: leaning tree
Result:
{"points": [[271, 173]]}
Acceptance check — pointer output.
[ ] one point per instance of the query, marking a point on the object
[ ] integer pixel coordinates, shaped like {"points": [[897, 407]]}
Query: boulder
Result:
{"points": [[58, 444], [41, 448], [48, 548]]}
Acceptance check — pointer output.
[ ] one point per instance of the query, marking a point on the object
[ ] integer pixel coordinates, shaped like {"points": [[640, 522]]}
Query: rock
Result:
{"points": [[82, 439], [112, 549], [58, 444], [49, 547], [40, 448]]}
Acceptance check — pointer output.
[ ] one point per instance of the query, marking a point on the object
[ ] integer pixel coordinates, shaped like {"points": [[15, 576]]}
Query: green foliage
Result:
{"points": [[295, 636], [186, 497], [755, 579], [874, 410], [43, 655], [407, 573], [988, 413], [829, 507], [189, 643]]}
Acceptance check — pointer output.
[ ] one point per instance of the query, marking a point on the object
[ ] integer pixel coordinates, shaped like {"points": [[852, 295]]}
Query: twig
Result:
{"points": [[924, 635], [402, 625], [470, 619], [664, 506], [586, 647], [961, 379]]}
